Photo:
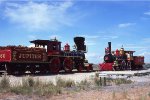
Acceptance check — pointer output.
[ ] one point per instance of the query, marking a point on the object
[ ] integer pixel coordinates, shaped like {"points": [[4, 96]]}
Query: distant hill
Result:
{"points": [[95, 67], [147, 65]]}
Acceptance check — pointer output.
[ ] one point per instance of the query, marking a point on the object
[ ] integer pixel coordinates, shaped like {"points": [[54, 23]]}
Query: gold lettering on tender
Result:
{"points": [[20, 56], [39, 56], [28, 56], [3, 55], [34, 56]]}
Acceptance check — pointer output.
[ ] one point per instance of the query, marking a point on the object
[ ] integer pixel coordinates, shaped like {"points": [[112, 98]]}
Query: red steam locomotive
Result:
{"points": [[120, 60], [45, 57]]}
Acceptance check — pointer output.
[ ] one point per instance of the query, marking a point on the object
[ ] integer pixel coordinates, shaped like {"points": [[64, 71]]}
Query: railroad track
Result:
{"points": [[123, 74]]}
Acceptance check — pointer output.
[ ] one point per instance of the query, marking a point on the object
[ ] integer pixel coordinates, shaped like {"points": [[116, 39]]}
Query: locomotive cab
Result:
{"points": [[53, 46]]}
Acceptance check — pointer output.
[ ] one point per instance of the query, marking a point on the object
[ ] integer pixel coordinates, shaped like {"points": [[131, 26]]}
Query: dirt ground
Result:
{"points": [[135, 91], [138, 90]]}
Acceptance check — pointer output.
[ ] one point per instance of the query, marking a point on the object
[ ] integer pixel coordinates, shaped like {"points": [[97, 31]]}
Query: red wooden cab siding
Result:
{"points": [[139, 60]]}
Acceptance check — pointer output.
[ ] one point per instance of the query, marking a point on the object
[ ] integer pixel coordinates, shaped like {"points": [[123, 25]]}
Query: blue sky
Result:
{"points": [[121, 22]]}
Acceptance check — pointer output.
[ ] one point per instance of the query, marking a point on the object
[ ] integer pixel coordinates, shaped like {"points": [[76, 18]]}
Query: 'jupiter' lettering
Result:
{"points": [[30, 56]]}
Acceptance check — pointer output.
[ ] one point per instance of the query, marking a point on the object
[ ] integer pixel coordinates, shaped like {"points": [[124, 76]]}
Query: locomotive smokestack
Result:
{"points": [[79, 41], [109, 46]]}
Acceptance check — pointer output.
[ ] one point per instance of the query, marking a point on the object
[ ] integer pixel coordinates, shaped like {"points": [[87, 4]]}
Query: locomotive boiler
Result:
{"points": [[121, 60], [46, 57]]}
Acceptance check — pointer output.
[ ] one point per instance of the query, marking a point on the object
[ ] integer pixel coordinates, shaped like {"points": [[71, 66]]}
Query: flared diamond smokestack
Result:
{"points": [[79, 41], [109, 46]]}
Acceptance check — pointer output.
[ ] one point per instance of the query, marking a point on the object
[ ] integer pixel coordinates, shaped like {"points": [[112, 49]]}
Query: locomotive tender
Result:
{"points": [[120, 60], [45, 57]]}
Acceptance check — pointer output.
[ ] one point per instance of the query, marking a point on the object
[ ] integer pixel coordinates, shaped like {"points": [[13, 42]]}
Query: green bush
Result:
{"points": [[29, 82], [122, 81], [47, 89], [70, 83], [60, 82], [96, 75], [64, 83], [21, 90], [29, 86], [97, 81], [4, 83], [84, 85]]}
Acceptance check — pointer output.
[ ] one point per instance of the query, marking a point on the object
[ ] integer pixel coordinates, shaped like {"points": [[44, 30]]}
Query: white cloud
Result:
{"points": [[123, 25], [89, 55], [31, 45], [94, 57], [147, 13], [142, 50], [131, 46], [135, 47], [109, 37], [1, 1], [146, 40], [90, 42], [39, 16], [31, 37], [98, 36], [90, 37], [144, 54]]}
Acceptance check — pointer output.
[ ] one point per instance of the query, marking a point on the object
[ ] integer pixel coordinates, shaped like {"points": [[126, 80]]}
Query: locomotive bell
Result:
{"points": [[122, 51]]}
